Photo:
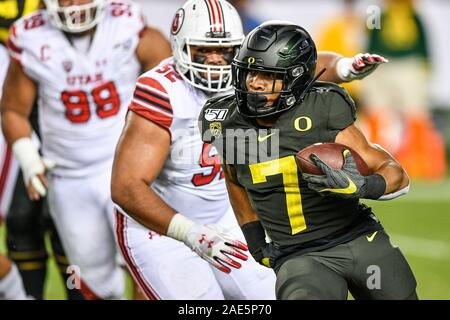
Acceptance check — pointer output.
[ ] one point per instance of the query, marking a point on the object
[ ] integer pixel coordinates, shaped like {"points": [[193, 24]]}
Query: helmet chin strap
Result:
{"points": [[256, 101]]}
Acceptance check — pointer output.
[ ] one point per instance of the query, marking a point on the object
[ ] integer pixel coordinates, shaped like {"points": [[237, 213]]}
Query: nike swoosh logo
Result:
{"points": [[261, 139], [349, 190], [370, 239]]}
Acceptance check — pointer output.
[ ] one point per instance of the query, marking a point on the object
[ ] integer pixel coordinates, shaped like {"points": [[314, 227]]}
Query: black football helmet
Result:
{"points": [[284, 51]]}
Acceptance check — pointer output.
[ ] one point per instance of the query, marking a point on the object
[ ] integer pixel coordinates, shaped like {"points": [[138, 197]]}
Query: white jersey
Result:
{"points": [[192, 167], [4, 63], [82, 95], [9, 167]]}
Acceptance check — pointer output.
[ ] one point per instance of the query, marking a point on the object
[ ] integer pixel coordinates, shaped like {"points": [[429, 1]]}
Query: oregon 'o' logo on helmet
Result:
{"points": [[251, 60], [177, 21]]}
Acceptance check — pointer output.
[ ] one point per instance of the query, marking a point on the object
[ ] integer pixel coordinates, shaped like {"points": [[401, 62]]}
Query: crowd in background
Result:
{"points": [[396, 106]]}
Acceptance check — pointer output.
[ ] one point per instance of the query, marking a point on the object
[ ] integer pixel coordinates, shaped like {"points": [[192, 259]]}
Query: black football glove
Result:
{"points": [[255, 236], [347, 183], [262, 254]]}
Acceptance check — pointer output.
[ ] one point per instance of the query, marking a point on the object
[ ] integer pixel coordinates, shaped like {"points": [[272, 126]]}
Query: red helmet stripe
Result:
{"points": [[219, 13], [213, 14]]}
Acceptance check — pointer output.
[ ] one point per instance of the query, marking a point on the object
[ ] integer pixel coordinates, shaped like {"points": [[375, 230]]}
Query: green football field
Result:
{"points": [[419, 223]]}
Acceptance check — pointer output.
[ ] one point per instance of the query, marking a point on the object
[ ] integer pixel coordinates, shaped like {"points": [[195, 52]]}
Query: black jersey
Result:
{"points": [[294, 216]]}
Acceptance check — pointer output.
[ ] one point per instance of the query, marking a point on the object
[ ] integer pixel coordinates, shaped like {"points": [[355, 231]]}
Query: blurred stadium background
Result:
{"points": [[419, 222]]}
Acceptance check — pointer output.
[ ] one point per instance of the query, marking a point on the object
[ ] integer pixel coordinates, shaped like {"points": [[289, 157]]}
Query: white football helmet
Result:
{"points": [[212, 23], [75, 18]]}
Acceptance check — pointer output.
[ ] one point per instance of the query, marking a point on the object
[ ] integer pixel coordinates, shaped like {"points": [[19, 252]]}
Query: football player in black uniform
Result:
{"points": [[324, 241]]}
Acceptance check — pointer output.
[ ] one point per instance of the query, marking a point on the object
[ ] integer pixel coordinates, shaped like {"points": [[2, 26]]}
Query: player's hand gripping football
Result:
{"points": [[359, 67], [216, 246], [346, 183]]}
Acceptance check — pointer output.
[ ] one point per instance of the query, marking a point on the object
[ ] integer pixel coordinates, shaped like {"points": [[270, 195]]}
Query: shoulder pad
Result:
{"points": [[29, 23], [214, 115], [323, 86], [221, 102]]}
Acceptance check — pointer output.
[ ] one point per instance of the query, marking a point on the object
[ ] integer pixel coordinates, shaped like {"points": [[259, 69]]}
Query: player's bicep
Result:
{"points": [[153, 47], [19, 91], [374, 156], [141, 151], [328, 60], [230, 173], [19, 94]]}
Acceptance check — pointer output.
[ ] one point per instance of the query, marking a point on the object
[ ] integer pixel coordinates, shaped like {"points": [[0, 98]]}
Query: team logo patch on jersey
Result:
{"points": [[215, 128], [215, 114], [303, 124], [178, 21], [67, 66]]}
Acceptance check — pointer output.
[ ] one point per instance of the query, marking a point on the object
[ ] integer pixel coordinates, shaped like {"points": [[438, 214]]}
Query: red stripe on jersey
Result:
{"points": [[149, 96], [152, 105], [13, 31], [153, 115], [152, 83], [11, 46]]}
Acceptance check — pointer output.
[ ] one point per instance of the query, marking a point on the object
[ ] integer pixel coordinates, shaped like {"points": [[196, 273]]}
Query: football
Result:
{"points": [[331, 154]]}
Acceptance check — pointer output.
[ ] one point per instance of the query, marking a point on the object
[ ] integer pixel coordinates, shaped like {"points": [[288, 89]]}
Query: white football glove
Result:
{"points": [[358, 67], [210, 242], [32, 164]]}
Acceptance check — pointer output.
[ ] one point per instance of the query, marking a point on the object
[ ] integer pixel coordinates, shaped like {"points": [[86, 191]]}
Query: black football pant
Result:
{"points": [[27, 223], [369, 267]]}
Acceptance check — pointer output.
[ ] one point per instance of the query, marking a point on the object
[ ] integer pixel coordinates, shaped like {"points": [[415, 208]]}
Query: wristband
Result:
{"points": [[375, 186], [254, 235], [179, 227], [26, 153], [343, 68]]}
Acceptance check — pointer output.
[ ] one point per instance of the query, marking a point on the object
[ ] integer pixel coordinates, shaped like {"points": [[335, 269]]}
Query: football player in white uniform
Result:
{"points": [[8, 165], [187, 206], [81, 57], [11, 286], [27, 222]]}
